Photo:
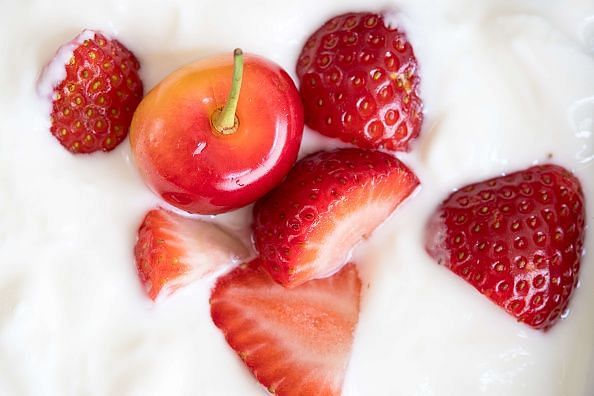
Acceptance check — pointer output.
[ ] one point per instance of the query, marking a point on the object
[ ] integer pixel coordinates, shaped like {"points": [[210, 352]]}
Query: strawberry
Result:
{"points": [[295, 342], [517, 239], [93, 104], [307, 226], [359, 83], [172, 251]]}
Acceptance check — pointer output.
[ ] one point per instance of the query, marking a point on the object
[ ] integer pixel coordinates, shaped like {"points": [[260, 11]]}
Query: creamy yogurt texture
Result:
{"points": [[506, 84]]}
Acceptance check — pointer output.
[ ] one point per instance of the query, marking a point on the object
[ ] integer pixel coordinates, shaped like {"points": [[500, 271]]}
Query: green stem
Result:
{"points": [[226, 121]]}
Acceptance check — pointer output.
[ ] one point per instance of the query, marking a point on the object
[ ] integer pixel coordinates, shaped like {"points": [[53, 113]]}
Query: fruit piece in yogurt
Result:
{"points": [[360, 83], [517, 239], [95, 87], [219, 133], [172, 251], [295, 342], [306, 227]]}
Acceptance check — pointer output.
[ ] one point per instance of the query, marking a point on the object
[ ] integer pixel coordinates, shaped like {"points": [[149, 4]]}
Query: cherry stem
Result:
{"points": [[226, 121]]}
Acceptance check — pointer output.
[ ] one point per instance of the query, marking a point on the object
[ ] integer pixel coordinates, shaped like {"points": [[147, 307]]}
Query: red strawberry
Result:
{"points": [[307, 226], [518, 239], [295, 342], [359, 83], [93, 104], [172, 251]]}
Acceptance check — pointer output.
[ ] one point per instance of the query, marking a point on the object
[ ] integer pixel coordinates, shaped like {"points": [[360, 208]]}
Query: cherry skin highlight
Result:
{"points": [[199, 166]]}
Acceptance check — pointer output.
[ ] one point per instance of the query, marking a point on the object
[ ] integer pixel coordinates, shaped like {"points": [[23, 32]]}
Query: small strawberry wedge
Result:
{"points": [[297, 341], [518, 239], [173, 251], [330, 201]]}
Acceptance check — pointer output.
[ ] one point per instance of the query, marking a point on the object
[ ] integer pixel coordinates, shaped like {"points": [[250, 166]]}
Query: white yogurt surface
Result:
{"points": [[506, 83]]}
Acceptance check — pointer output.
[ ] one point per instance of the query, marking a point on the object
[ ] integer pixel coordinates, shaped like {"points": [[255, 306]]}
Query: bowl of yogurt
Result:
{"points": [[505, 85]]}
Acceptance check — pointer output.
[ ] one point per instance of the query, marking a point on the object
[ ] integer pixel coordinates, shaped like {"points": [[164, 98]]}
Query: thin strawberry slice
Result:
{"points": [[297, 341], [306, 227], [172, 251]]}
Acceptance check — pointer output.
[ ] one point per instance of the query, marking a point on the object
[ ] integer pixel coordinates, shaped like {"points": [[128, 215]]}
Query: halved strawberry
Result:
{"points": [[173, 251], [295, 342], [95, 88], [517, 239], [306, 227]]}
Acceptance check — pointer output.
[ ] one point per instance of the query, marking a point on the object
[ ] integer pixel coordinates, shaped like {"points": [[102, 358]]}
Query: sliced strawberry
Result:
{"points": [[517, 239], [306, 227], [96, 88], [173, 251], [295, 342], [360, 83]]}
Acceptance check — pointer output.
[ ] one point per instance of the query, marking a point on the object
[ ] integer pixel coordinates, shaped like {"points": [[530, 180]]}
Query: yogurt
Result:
{"points": [[506, 84]]}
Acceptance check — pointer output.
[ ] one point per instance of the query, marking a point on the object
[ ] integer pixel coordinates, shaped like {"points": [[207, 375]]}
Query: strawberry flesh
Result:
{"points": [[306, 227], [172, 251], [92, 106], [297, 341], [517, 239], [360, 83]]}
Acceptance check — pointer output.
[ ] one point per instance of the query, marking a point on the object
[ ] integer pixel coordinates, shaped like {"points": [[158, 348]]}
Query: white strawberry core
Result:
{"points": [[346, 233], [209, 250]]}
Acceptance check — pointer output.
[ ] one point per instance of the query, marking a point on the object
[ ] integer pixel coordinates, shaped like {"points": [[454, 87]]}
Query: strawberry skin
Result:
{"points": [[359, 83], [306, 227], [517, 239], [92, 107], [295, 342], [173, 251]]}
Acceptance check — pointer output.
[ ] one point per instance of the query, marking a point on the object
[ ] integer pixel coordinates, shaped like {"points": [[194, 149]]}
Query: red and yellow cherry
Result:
{"points": [[218, 134]]}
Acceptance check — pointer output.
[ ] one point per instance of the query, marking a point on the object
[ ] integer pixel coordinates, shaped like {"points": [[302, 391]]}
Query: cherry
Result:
{"points": [[208, 143]]}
